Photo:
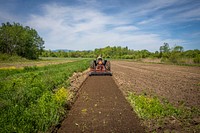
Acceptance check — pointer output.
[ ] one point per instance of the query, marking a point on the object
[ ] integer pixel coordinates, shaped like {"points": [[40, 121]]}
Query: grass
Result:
{"points": [[19, 62], [10, 58], [32, 99], [151, 107], [160, 114]]}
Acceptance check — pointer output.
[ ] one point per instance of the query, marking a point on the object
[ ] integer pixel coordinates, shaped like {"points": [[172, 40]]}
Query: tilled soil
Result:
{"points": [[101, 108], [178, 84]]}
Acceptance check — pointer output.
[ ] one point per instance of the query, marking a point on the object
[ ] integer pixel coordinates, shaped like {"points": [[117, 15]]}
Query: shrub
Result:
{"points": [[197, 59]]}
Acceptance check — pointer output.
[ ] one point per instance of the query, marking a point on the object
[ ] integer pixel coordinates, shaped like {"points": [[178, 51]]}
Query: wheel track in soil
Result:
{"points": [[100, 107]]}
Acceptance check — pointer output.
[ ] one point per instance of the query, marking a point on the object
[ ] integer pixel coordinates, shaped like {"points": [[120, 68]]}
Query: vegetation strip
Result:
{"points": [[147, 107], [151, 109], [32, 99]]}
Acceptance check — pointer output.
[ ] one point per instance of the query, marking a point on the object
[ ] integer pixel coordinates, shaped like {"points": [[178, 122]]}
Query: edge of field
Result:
{"points": [[76, 82]]}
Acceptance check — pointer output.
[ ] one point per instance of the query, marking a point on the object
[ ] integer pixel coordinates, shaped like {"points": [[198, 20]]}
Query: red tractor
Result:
{"points": [[100, 67]]}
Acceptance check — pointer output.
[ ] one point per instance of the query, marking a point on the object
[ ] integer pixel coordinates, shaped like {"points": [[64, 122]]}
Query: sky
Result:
{"points": [[90, 24]]}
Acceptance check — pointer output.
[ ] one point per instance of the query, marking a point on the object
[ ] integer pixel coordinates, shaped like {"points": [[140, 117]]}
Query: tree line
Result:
{"points": [[116, 52], [174, 54], [16, 39]]}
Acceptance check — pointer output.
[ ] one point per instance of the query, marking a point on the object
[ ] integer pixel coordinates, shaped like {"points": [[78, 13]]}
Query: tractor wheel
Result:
{"points": [[107, 65], [92, 65]]}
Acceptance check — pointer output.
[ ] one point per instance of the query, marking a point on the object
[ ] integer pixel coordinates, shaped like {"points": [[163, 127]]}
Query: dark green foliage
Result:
{"points": [[197, 59], [165, 48], [22, 41], [175, 54], [107, 52]]}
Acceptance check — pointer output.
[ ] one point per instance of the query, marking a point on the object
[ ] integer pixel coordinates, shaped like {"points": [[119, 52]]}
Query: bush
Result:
{"points": [[7, 57], [174, 57], [197, 59]]}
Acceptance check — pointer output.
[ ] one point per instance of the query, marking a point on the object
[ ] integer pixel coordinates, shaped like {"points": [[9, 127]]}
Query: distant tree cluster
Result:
{"points": [[177, 54], [107, 52], [18, 40], [174, 54]]}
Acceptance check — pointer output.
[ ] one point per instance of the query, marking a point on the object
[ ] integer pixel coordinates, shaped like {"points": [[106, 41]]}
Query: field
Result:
{"points": [[165, 98], [100, 107], [177, 86], [138, 97], [32, 98], [21, 63]]}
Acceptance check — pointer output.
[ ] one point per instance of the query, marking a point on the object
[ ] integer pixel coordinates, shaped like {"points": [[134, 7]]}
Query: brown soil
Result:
{"points": [[100, 107], [178, 84]]}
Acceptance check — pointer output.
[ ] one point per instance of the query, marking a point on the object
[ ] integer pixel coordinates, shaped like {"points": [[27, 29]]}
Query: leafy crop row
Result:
{"points": [[32, 99]]}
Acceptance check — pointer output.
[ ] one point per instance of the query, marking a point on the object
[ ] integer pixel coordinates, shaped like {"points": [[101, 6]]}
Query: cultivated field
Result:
{"points": [[100, 107], [164, 98], [179, 86]]}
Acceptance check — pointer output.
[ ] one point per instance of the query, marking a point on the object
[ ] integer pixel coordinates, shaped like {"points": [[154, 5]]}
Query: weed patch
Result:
{"points": [[151, 107]]}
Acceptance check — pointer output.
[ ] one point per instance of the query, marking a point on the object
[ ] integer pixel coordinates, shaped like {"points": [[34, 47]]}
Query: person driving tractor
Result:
{"points": [[100, 67], [99, 60]]}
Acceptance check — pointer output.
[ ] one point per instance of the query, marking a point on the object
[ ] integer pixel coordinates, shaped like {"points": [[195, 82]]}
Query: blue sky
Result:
{"points": [[89, 24]]}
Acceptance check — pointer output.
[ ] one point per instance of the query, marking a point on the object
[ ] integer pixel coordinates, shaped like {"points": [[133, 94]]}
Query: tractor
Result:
{"points": [[100, 67]]}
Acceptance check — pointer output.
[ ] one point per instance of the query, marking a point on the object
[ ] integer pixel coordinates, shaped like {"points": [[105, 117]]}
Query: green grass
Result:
{"points": [[32, 99], [160, 114], [151, 107], [9, 58]]}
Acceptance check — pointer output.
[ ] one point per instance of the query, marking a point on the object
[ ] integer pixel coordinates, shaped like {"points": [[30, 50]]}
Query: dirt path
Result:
{"points": [[100, 108]]}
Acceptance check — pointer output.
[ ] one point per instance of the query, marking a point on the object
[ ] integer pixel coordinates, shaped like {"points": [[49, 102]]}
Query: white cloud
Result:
{"points": [[160, 12], [84, 27], [125, 28], [147, 21], [80, 28], [192, 14]]}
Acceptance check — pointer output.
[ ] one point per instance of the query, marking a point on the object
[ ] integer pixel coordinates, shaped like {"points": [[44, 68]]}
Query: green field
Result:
{"points": [[32, 98], [16, 62]]}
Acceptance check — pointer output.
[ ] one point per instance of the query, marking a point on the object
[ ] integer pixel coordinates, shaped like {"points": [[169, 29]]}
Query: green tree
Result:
{"points": [[23, 41], [165, 48], [177, 49]]}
